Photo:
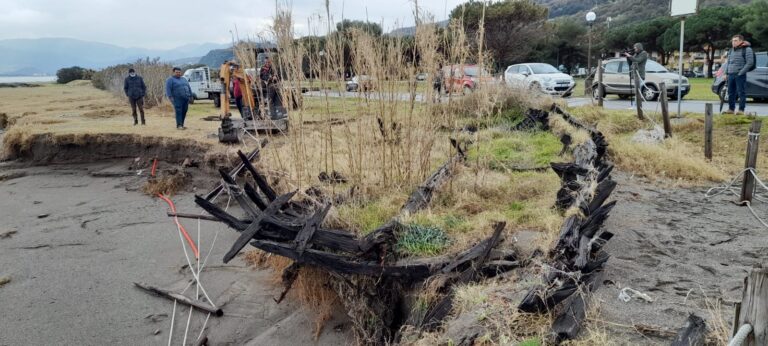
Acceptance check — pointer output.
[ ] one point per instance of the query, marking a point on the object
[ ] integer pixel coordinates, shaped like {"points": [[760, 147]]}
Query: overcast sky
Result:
{"points": [[167, 24]]}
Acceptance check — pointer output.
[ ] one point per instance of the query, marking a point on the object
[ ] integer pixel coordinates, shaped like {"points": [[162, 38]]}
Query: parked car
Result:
{"points": [[465, 78], [541, 77], [616, 81], [361, 83], [757, 80]]}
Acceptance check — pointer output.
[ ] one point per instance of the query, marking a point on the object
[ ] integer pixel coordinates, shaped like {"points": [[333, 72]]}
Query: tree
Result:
{"points": [[511, 26], [707, 31], [68, 74], [755, 18], [374, 29], [568, 42], [650, 33]]}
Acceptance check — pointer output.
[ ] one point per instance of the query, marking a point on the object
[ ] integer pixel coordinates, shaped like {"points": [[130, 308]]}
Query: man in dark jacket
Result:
{"points": [[135, 89], [741, 59], [638, 59], [178, 91]]}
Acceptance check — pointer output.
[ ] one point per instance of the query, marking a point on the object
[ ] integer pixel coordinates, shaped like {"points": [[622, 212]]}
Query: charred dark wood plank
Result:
{"points": [[254, 196], [255, 225], [220, 214], [237, 193], [235, 171], [193, 216], [347, 265], [261, 181], [693, 333], [602, 192], [539, 299], [435, 316], [179, 298], [306, 233], [567, 325], [276, 231]]}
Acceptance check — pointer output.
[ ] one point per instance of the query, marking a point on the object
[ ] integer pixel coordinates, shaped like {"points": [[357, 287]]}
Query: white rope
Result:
{"points": [[627, 294], [731, 188], [741, 335]]}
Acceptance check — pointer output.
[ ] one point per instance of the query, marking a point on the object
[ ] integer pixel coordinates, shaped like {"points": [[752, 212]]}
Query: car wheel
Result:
{"points": [[597, 91], [534, 86], [624, 96], [467, 90], [217, 101], [723, 93], [650, 92]]}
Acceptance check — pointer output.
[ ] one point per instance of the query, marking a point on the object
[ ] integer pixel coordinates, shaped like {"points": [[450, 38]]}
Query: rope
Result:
{"points": [[741, 335], [730, 188]]}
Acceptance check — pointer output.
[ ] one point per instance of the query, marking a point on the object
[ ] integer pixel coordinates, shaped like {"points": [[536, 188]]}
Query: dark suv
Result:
{"points": [[757, 81]]}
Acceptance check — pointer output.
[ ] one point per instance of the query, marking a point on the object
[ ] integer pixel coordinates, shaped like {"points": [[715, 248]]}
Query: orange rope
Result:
{"points": [[154, 167], [181, 228]]}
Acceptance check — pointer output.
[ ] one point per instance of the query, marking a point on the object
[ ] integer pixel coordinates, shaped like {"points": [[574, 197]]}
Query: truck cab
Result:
{"points": [[200, 82]]}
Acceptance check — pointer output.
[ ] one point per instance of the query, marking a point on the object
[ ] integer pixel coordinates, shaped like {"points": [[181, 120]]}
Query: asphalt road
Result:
{"points": [[688, 106], [692, 106]]}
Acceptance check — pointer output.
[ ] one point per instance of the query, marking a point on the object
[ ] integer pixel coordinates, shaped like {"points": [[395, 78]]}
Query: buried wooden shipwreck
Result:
{"points": [[372, 281]]}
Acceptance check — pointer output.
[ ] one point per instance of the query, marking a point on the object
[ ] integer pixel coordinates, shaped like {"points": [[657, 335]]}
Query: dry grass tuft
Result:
{"points": [[3, 121], [168, 183], [16, 140], [674, 159], [311, 288]]}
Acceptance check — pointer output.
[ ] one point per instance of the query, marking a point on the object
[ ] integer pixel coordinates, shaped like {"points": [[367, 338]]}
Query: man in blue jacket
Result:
{"points": [[135, 89], [178, 91], [741, 59]]}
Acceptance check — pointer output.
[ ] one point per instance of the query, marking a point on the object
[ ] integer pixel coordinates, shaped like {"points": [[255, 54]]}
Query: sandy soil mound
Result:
{"points": [[79, 82]]}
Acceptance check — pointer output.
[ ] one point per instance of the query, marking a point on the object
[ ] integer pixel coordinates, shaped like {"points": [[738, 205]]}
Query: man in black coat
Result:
{"points": [[135, 89]]}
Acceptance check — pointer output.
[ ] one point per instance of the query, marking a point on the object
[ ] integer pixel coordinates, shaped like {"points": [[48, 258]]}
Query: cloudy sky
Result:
{"points": [[166, 24]]}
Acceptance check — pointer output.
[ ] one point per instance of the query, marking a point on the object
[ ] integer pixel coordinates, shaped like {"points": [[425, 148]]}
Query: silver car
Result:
{"points": [[616, 80]]}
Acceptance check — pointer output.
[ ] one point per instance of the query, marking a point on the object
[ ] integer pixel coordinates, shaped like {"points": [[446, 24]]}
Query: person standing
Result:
{"points": [[238, 93], [741, 59], [638, 59], [177, 90], [135, 89]]}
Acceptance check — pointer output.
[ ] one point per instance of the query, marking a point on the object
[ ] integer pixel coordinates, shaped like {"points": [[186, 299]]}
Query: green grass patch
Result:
{"points": [[366, 217], [517, 149], [420, 240], [531, 342], [701, 89]]}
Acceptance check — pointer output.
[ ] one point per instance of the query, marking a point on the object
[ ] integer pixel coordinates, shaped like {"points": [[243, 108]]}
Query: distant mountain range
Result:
{"points": [[47, 55]]}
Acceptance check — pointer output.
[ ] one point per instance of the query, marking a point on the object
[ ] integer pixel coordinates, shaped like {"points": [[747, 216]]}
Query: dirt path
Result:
{"points": [[686, 252], [73, 245]]}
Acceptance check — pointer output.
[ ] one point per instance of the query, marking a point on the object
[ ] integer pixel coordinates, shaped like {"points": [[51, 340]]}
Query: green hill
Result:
{"points": [[620, 11]]}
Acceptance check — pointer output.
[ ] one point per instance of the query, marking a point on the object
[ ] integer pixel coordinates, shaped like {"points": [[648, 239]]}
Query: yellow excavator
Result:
{"points": [[259, 112]]}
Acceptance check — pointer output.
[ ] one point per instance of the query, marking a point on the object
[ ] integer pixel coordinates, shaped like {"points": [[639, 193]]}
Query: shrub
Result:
{"points": [[68, 74], [153, 71]]}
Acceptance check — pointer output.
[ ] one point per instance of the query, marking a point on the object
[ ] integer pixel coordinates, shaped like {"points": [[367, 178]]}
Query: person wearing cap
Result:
{"points": [[135, 89], [178, 91], [638, 59]]}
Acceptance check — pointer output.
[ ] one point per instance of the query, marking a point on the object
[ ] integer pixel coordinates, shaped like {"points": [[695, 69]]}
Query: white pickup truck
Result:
{"points": [[203, 87]]}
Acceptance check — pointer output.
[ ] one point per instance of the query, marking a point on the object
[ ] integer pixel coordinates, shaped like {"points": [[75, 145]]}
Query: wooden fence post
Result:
{"points": [[600, 83], [754, 307], [748, 185], [638, 95], [708, 131], [665, 109]]}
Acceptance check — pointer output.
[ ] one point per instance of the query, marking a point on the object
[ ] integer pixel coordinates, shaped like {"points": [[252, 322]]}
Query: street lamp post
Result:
{"points": [[591, 16]]}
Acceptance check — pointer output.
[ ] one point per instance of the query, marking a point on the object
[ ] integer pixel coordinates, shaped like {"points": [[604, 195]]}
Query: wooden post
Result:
{"points": [[665, 109], [753, 139], [638, 95], [754, 307], [600, 83], [708, 131]]}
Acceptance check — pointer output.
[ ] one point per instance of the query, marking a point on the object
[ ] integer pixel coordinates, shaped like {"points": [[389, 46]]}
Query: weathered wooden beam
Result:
{"points": [[276, 231], [754, 307], [708, 131], [255, 225], [748, 183], [306, 233], [567, 325], [239, 196], [193, 216], [261, 181], [179, 298], [254, 196], [235, 171]]}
